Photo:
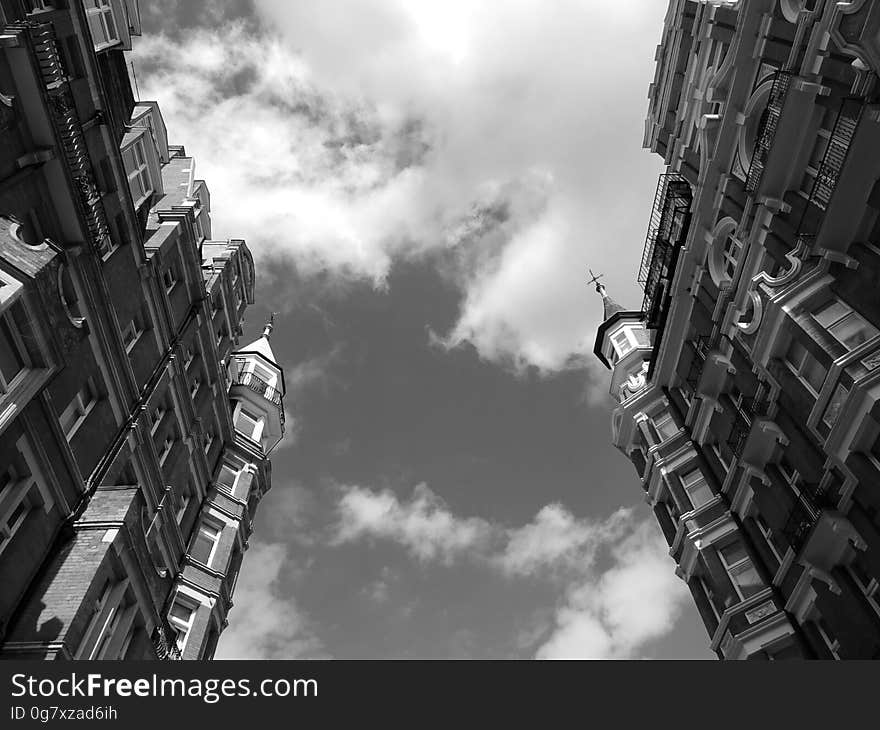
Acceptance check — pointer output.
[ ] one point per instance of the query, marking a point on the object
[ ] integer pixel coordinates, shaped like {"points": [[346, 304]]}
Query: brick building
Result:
{"points": [[748, 380], [134, 428]]}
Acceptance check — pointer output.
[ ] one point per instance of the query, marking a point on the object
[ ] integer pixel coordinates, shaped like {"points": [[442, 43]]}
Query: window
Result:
{"points": [[810, 371], [168, 279], [227, 477], [832, 643], [622, 343], [844, 325], [698, 491], [12, 358], [765, 530], [188, 357], [665, 426], [167, 445], [78, 409], [248, 424], [156, 416], [182, 502], [138, 172], [181, 617], [130, 336], [730, 253], [204, 544], [102, 23], [194, 388], [739, 567], [111, 626], [15, 505], [221, 333], [209, 438], [835, 405]]}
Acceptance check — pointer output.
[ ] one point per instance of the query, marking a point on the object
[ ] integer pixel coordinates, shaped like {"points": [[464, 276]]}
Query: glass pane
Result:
{"points": [[181, 613], [795, 354], [834, 406], [746, 577], [201, 549], [226, 477], [852, 331], [733, 553], [830, 313], [814, 372], [699, 494]]}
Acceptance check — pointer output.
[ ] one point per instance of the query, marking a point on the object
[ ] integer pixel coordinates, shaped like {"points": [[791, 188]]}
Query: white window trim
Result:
{"points": [[79, 405], [157, 415], [108, 615], [105, 8], [184, 628], [169, 275], [167, 448], [135, 332], [232, 487], [700, 480], [736, 568], [207, 528], [257, 433], [18, 343]]}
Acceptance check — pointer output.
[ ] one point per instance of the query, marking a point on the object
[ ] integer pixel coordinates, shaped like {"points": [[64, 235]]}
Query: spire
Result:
{"points": [[261, 344], [610, 306], [270, 325]]}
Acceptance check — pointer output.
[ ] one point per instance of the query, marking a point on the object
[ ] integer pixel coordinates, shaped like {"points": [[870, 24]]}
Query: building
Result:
{"points": [[134, 429], [748, 379]]}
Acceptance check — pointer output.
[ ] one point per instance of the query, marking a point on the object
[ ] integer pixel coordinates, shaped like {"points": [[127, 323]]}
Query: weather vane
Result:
{"points": [[600, 287]]}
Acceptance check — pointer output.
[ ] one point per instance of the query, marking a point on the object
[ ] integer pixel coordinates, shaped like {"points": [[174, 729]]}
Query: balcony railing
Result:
{"points": [[667, 233], [260, 387], [745, 415], [836, 152], [702, 346], [767, 129], [71, 140], [164, 643]]}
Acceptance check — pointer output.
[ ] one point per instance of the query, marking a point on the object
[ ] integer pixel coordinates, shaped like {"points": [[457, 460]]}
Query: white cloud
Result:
{"points": [[424, 525], [264, 624], [351, 135], [555, 540], [614, 613], [606, 612]]}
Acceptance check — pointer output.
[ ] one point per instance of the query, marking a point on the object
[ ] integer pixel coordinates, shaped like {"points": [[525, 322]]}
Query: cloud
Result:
{"points": [[344, 137], [424, 525], [264, 624], [556, 540], [604, 612], [614, 613]]}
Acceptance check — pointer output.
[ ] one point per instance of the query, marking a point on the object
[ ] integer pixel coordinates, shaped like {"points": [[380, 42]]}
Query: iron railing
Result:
{"points": [[62, 112], [163, 638], [836, 152], [667, 233], [767, 127], [748, 411], [260, 387], [701, 346]]}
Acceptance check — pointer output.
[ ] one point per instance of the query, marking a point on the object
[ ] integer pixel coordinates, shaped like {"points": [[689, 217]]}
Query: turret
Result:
{"points": [[257, 392], [623, 345]]}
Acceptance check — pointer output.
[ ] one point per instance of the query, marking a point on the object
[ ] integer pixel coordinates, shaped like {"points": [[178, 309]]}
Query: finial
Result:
{"points": [[267, 330], [600, 287]]}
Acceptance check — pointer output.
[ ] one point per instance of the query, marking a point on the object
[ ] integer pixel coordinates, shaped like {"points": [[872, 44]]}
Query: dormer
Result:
{"points": [[257, 393]]}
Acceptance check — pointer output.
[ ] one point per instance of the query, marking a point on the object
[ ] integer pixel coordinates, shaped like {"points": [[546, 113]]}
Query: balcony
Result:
{"points": [[667, 233], [259, 386], [745, 415], [68, 131], [164, 642], [767, 127], [830, 170]]}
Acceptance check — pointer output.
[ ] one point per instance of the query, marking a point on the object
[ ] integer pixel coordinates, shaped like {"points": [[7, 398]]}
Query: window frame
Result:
{"points": [[212, 533], [739, 567], [695, 484], [102, 9], [80, 407], [183, 628]]}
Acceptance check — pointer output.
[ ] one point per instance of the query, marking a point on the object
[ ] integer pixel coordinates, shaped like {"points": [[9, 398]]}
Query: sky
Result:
{"points": [[424, 186]]}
